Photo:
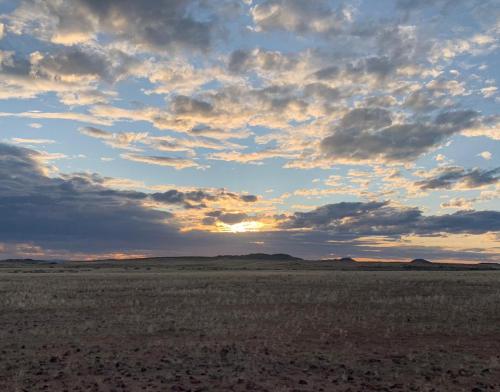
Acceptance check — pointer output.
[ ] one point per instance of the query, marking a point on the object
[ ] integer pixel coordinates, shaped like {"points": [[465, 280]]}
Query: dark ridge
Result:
{"points": [[260, 256], [31, 261], [343, 260], [420, 261], [21, 261]]}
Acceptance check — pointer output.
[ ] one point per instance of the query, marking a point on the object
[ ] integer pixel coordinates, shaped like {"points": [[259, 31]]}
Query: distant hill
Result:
{"points": [[246, 261], [420, 261], [31, 261], [261, 256], [343, 260], [20, 261]]}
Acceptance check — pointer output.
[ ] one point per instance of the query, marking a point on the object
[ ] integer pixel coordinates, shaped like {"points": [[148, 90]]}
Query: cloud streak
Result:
{"points": [[457, 177], [176, 163]]}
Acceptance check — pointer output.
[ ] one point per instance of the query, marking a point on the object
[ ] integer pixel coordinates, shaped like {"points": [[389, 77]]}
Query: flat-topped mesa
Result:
{"points": [[420, 261]]}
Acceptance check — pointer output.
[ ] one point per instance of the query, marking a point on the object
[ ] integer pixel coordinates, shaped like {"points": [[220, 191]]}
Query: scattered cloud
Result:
{"points": [[458, 202], [123, 140], [486, 155], [300, 16]]}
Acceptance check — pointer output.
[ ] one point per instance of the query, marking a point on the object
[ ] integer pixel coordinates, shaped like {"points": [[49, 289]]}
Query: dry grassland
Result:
{"points": [[168, 329]]}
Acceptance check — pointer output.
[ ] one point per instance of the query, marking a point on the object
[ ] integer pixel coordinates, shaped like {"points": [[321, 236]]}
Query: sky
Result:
{"points": [[319, 128]]}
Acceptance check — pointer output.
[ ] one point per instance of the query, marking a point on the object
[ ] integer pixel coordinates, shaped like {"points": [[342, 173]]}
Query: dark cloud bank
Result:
{"points": [[78, 213], [453, 176], [379, 218]]}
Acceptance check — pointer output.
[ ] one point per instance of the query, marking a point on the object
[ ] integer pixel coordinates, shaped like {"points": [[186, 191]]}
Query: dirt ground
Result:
{"points": [[139, 327]]}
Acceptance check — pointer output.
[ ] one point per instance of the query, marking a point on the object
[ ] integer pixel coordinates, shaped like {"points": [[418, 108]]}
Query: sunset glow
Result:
{"points": [[242, 227]]}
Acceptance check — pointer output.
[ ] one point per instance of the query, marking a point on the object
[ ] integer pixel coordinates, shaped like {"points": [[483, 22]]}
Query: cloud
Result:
{"points": [[264, 62], [231, 108], [475, 45], [70, 116], [449, 177], [181, 104], [250, 157], [72, 62], [180, 76], [149, 24], [471, 222], [486, 155], [458, 202], [78, 215], [198, 198], [123, 140], [388, 54], [368, 134], [322, 217], [489, 92], [419, 4], [18, 140], [300, 16], [168, 143], [357, 219], [75, 74], [490, 129], [177, 163], [434, 95], [71, 212], [134, 141], [80, 212], [229, 218]]}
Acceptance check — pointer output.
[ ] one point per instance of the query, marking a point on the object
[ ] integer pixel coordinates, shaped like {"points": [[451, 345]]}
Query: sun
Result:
{"points": [[242, 227]]}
